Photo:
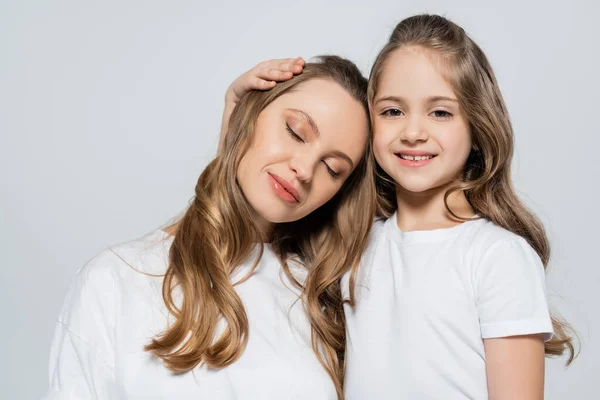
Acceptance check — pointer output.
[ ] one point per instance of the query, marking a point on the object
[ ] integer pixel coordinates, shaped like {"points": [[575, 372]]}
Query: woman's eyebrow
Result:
{"points": [[343, 156], [308, 119]]}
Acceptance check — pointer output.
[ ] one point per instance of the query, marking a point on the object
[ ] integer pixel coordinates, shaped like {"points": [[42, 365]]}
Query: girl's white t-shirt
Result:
{"points": [[112, 311], [425, 300]]}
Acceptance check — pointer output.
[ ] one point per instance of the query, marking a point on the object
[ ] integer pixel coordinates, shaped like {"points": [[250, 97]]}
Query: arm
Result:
{"points": [[263, 76], [515, 367], [78, 370], [83, 351], [514, 319]]}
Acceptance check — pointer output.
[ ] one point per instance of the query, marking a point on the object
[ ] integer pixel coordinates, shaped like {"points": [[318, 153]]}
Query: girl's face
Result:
{"points": [[306, 143], [421, 137]]}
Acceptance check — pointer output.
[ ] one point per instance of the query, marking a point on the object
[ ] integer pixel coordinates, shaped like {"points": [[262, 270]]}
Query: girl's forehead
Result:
{"points": [[413, 72]]}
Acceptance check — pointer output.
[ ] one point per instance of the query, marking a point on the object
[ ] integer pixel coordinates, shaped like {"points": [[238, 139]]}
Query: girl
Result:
{"points": [[450, 298], [269, 226], [453, 301]]}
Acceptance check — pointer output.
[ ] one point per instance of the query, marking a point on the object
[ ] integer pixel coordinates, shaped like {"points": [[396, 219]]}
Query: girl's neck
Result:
{"points": [[426, 210]]}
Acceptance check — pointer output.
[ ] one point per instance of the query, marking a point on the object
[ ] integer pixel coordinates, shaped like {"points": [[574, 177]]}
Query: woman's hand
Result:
{"points": [[263, 76]]}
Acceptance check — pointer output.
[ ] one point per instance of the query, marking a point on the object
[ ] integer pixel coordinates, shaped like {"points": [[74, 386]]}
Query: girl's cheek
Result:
{"points": [[378, 147], [380, 137]]}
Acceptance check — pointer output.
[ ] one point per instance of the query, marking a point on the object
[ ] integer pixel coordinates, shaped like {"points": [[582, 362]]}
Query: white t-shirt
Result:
{"points": [[112, 311], [425, 301]]}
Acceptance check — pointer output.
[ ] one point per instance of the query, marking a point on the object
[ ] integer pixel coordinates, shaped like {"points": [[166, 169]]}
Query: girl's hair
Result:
{"points": [[217, 234], [487, 178]]}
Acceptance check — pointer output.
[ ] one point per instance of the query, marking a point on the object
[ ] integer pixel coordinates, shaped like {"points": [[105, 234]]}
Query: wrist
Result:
{"points": [[231, 97]]}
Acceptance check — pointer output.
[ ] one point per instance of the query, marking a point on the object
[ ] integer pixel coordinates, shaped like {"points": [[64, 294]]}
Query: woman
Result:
{"points": [[250, 275]]}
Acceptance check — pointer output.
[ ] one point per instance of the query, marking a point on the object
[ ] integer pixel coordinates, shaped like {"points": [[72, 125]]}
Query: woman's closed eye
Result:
{"points": [[331, 171], [292, 133]]}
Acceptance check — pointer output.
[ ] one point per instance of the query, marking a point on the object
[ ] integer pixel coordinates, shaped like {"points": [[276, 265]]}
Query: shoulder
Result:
{"points": [[378, 234], [487, 247], [116, 272], [147, 255], [378, 227], [497, 251], [375, 237], [486, 238], [486, 233], [509, 284]]}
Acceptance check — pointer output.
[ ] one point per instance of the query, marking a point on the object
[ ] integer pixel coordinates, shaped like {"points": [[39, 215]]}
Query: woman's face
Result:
{"points": [[305, 145]]}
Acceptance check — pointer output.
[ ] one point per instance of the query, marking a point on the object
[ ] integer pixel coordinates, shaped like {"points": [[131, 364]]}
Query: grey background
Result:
{"points": [[110, 110]]}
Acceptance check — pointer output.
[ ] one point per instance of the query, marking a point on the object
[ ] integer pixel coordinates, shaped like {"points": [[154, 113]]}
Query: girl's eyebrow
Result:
{"points": [[401, 100], [395, 99], [433, 99]]}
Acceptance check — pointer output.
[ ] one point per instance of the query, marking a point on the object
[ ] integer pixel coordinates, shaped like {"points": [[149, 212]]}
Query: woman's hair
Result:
{"points": [[486, 179], [217, 234]]}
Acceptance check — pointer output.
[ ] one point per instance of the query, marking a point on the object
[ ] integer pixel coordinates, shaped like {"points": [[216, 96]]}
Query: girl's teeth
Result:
{"points": [[415, 158]]}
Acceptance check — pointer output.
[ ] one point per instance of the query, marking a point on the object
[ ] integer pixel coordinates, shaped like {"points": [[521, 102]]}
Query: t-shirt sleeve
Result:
{"points": [[511, 291], [82, 352], [77, 371]]}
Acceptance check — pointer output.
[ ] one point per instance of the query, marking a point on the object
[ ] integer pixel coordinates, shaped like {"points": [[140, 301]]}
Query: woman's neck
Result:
{"points": [[265, 228], [426, 210]]}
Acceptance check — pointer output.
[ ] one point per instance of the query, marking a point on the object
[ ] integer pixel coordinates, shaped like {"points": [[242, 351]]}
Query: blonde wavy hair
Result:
{"points": [[217, 234], [486, 180]]}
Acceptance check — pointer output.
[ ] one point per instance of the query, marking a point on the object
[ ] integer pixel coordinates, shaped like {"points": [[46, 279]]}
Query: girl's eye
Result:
{"points": [[331, 172], [392, 112], [441, 114], [292, 133]]}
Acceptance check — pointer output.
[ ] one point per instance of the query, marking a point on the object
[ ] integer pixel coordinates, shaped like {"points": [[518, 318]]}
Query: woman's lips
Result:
{"points": [[284, 189]]}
